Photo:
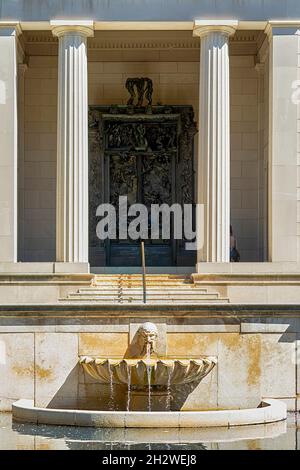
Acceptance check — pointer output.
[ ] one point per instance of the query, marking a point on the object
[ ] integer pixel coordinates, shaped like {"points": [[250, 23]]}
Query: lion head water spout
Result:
{"points": [[149, 378]]}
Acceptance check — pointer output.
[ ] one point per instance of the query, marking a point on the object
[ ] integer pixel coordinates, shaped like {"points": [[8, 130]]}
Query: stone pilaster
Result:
{"points": [[9, 141], [72, 141], [214, 138], [283, 142], [22, 67]]}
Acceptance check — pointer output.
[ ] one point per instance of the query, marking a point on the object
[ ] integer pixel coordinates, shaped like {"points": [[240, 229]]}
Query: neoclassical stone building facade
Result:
{"points": [[234, 65], [234, 82]]}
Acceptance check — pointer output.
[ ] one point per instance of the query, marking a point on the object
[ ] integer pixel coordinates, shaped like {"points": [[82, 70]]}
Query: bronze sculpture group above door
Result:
{"points": [[146, 154]]}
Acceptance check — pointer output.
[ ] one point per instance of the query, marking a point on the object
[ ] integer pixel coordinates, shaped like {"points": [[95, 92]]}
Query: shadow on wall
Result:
{"points": [[82, 392]]}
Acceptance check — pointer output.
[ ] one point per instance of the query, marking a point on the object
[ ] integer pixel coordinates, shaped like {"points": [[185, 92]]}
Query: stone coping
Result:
{"points": [[269, 411], [29, 280], [248, 268], [146, 310], [44, 268]]}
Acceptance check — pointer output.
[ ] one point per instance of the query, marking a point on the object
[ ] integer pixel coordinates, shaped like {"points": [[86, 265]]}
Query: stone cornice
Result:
{"points": [[73, 310], [107, 41]]}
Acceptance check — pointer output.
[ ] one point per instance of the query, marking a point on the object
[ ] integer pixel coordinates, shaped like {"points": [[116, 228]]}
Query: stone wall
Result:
{"points": [[175, 74], [256, 356], [40, 159]]}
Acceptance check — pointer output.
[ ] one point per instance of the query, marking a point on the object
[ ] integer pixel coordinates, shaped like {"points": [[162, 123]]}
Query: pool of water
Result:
{"points": [[277, 436]]}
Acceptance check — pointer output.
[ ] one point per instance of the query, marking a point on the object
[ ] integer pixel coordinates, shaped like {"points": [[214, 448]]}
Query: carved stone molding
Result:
{"points": [[141, 40]]}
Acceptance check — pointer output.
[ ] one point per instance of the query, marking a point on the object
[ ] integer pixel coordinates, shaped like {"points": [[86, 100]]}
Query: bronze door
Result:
{"points": [[147, 179], [146, 155]]}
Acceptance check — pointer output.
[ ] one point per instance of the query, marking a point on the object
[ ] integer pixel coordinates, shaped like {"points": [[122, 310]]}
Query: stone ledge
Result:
{"points": [[211, 311], [263, 268], [44, 268], [45, 279], [269, 411]]}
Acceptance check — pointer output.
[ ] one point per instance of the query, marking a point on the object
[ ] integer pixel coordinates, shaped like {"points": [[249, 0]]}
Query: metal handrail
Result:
{"points": [[143, 271]]}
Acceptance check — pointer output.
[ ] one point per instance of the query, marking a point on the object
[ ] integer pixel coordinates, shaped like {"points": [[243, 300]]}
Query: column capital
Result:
{"points": [[204, 27], [10, 28], [277, 27], [65, 27]]}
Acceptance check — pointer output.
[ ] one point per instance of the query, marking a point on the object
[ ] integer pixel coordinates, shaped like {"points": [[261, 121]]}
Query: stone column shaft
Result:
{"points": [[214, 139], [72, 143]]}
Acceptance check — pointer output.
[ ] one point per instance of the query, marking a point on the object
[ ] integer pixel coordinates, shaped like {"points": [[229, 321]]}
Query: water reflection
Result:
{"points": [[282, 435]]}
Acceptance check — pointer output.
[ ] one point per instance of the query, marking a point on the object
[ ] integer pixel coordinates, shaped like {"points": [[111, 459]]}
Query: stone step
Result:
{"points": [[148, 281], [149, 293], [133, 276], [158, 297], [126, 289], [149, 301], [140, 279], [135, 290]]}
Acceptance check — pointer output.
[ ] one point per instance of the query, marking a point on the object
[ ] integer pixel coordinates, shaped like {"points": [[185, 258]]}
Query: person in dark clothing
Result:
{"points": [[234, 254]]}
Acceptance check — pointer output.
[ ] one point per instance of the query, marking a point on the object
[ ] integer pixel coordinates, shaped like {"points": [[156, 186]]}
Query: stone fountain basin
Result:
{"points": [[142, 372], [269, 411]]}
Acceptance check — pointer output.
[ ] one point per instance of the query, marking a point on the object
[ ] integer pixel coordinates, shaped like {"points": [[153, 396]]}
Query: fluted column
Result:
{"points": [[72, 142], [214, 138]]}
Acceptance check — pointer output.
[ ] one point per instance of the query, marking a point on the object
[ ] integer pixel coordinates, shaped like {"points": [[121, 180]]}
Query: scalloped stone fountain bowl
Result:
{"points": [[140, 373]]}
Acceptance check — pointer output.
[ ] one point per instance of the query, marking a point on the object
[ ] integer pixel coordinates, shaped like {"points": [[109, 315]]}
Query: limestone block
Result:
{"points": [[278, 367], [106, 78], [236, 142], [46, 72], [244, 127], [249, 113], [236, 113], [203, 397], [16, 368], [284, 294], [236, 171], [192, 345], [97, 67], [245, 294], [103, 344], [28, 294], [185, 67], [206, 326], [187, 78], [270, 325], [241, 61], [56, 369], [44, 86], [239, 370], [249, 86], [249, 199]]}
